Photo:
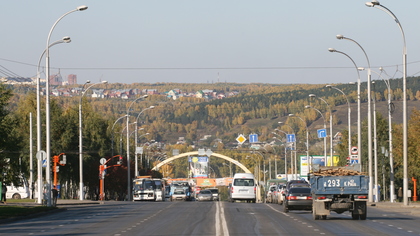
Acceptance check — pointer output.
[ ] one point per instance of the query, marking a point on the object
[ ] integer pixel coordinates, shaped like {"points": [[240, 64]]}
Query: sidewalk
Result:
{"points": [[412, 207], [60, 202]]}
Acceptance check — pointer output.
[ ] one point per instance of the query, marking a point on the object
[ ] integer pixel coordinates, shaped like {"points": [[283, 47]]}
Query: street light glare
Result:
{"points": [[332, 50], [328, 86], [66, 39], [82, 8], [339, 36]]}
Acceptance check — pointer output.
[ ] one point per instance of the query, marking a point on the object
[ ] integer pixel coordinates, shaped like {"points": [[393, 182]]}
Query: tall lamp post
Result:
{"points": [[325, 127], [391, 156], [81, 138], [47, 103], [112, 131], [38, 115], [369, 104], [331, 131], [348, 114], [405, 144], [128, 148], [136, 134], [359, 125], [307, 137], [293, 151], [285, 153]]}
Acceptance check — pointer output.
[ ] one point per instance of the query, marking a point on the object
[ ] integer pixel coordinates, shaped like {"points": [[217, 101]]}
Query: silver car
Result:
{"points": [[205, 195]]}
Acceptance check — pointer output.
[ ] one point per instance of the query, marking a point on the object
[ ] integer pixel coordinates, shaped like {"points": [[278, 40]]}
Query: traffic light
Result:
{"points": [[57, 168], [120, 161], [348, 161]]}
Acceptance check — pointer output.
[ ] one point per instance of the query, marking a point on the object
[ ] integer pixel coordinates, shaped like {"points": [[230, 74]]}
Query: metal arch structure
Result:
{"points": [[195, 153]]}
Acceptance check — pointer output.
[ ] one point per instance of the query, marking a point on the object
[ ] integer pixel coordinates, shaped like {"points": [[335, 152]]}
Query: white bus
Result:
{"points": [[147, 189], [21, 190]]}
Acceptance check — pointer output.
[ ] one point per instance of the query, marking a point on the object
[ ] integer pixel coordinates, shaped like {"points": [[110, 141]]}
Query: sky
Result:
{"points": [[190, 41]]}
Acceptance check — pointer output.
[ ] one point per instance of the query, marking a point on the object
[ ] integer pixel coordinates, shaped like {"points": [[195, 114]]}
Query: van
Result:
{"points": [[19, 191], [243, 188]]}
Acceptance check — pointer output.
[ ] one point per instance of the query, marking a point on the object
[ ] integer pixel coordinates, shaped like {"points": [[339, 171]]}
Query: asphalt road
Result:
{"points": [[209, 218]]}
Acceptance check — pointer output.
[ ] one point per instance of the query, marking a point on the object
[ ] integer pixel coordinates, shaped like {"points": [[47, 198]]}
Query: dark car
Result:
{"points": [[298, 198]]}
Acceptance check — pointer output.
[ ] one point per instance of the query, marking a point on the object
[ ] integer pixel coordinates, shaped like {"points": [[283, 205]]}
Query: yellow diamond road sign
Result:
{"points": [[241, 139]]}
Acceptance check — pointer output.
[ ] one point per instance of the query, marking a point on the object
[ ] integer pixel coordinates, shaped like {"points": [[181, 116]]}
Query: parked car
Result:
{"points": [[296, 183], [215, 193], [281, 193], [271, 194], [298, 198], [205, 195]]}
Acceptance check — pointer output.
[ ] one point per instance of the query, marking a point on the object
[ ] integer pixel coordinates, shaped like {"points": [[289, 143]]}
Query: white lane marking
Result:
{"points": [[224, 224], [217, 219]]}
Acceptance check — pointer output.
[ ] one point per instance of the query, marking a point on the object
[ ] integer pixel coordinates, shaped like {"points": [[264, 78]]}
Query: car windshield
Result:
{"points": [[214, 190], [243, 182], [300, 190], [205, 192], [179, 191]]}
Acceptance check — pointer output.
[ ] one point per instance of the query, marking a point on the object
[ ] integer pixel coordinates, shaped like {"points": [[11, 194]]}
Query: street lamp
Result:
{"points": [[369, 106], [348, 114], [285, 153], [390, 111], [331, 132], [405, 144], [47, 103], [307, 138], [325, 127], [359, 125], [38, 115], [80, 137], [128, 148], [136, 162], [292, 151], [112, 131], [263, 164]]}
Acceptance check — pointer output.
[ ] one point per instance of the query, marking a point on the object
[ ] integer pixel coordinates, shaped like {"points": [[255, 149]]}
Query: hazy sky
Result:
{"points": [[198, 41]]}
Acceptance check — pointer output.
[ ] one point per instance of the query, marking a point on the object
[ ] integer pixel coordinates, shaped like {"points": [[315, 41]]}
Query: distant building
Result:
{"points": [[72, 79], [56, 79]]}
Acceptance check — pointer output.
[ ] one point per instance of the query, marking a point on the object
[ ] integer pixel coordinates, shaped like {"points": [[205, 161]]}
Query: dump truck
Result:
{"points": [[339, 189]]}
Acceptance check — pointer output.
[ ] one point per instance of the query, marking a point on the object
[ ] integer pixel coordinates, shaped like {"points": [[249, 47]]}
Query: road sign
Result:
{"points": [[354, 150], [253, 138], [354, 161], [41, 155], [241, 139], [291, 138], [322, 133], [102, 161], [209, 152]]}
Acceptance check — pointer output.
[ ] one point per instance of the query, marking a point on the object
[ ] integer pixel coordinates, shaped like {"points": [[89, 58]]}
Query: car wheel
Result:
{"points": [[16, 196], [324, 217], [314, 215], [285, 209]]}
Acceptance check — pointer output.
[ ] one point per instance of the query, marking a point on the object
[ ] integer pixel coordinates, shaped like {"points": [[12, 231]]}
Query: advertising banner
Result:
{"points": [[199, 167]]}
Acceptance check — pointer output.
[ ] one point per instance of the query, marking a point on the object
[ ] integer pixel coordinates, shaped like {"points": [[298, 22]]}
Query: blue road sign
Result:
{"points": [[322, 133], [253, 138], [354, 161], [291, 138]]}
